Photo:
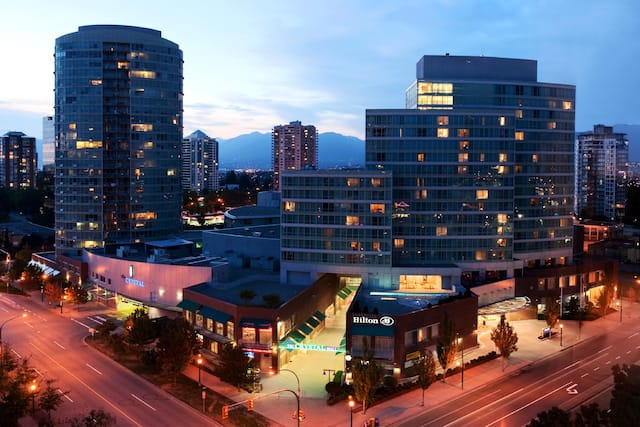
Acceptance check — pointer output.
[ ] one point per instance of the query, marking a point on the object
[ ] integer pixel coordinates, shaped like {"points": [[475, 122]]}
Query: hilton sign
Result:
{"points": [[366, 320]]}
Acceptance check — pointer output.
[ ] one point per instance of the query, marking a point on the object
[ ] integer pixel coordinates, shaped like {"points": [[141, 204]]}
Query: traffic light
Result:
{"points": [[250, 405], [225, 412]]}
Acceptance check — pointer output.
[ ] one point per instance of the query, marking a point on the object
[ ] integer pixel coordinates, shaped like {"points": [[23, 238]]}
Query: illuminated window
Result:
{"points": [[289, 206], [171, 172], [429, 87], [501, 243], [552, 234], [420, 182], [500, 230], [518, 114], [441, 231], [375, 246], [139, 127], [88, 144], [464, 145], [148, 145], [463, 170], [519, 136], [443, 120], [502, 121], [443, 133], [463, 157], [123, 65], [142, 74], [420, 157], [398, 243], [72, 126], [567, 105], [355, 246], [551, 125], [376, 182], [518, 169], [421, 194], [552, 103], [533, 202], [502, 157], [463, 133], [376, 208], [145, 215], [353, 182], [502, 218], [96, 82], [481, 255], [534, 158], [352, 220], [536, 234], [482, 157], [482, 194]]}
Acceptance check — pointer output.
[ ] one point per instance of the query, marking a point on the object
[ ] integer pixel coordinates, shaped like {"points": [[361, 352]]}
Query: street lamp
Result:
{"points": [[7, 321], [61, 301], [351, 405], [298, 395], [199, 360], [561, 328], [294, 374], [33, 388], [459, 340], [204, 397]]}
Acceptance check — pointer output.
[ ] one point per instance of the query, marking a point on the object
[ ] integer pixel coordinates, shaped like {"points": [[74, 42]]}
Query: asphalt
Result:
{"points": [[280, 407]]}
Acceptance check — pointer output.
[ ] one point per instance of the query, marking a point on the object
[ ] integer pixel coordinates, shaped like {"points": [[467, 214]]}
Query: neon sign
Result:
{"points": [[312, 347]]}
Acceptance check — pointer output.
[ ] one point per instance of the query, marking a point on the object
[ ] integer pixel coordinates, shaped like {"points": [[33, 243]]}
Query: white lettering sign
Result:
{"points": [[134, 282], [383, 321]]}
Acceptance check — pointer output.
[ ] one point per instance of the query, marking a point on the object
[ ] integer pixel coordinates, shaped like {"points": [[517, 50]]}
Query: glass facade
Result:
{"points": [[336, 218], [453, 183], [118, 134], [544, 129]]}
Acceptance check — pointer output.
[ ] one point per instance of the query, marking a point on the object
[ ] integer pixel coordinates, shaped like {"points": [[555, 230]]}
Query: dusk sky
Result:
{"points": [[250, 65]]}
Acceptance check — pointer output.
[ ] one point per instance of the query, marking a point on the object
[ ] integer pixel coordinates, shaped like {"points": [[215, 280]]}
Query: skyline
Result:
{"points": [[251, 67]]}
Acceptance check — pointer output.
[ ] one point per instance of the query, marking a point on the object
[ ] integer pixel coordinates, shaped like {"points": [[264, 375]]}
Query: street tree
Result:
{"points": [[366, 376], [505, 338], [551, 310], [14, 393], [139, 327], [175, 346], [625, 396], [95, 418], [50, 398], [447, 345], [425, 368], [234, 366], [78, 294], [605, 298]]}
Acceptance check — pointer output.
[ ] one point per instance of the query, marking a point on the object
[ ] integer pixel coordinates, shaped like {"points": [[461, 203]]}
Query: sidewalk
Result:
{"points": [[279, 408]]}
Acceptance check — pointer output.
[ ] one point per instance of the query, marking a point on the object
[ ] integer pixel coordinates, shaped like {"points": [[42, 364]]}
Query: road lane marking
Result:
{"points": [[96, 320], [80, 323], [93, 368], [477, 410], [608, 362], [65, 395], [572, 389], [633, 335], [20, 357], [107, 401], [605, 349], [617, 357], [530, 403], [142, 401], [29, 325], [59, 345], [627, 353], [582, 376], [568, 367], [596, 368]]}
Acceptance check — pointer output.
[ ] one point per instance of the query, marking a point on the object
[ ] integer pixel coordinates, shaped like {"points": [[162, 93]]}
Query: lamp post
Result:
{"points": [[294, 374], [33, 388], [561, 328], [7, 321], [64, 297], [204, 398], [351, 405], [199, 360], [459, 340]]}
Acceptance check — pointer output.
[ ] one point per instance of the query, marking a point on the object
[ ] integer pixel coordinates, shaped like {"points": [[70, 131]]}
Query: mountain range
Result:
{"points": [[253, 151]]}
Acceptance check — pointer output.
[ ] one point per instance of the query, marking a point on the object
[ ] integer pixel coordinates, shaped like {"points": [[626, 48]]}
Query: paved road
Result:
{"points": [[55, 347]]}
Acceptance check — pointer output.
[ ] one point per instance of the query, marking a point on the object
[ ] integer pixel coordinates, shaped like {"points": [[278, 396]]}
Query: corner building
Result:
{"points": [[543, 117], [118, 133]]}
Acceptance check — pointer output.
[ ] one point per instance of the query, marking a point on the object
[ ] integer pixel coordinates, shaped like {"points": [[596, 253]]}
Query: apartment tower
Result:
{"points": [[294, 148], [200, 163], [118, 131], [18, 161]]}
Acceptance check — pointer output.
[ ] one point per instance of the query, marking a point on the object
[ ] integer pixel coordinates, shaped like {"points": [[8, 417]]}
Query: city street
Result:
{"points": [[54, 345]]}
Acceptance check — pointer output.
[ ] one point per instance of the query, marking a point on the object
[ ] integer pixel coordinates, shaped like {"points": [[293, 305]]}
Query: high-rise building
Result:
{"points": [[18, 161], [200, 163], [118, 130], [542, 143], [294, 148], [48, 142], [602, 166]]}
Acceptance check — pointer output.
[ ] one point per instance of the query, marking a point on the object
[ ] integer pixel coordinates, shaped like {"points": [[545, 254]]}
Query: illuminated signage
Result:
{"points": [[382, 320], [134, 282], [312, 347]]}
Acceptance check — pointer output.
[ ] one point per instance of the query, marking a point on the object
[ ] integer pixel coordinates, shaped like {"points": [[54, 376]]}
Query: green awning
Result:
{"points": [[185, 304], [342, 294], [305, 329], [296, 336], [216, 315], [319, 315], [313, 322]]}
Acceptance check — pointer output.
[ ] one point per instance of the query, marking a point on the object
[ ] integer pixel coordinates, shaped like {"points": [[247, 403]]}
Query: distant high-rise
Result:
{"points": [[18, 161], [602, 165], [294, 148], [118, 130], [200, 163], [48, 142]]}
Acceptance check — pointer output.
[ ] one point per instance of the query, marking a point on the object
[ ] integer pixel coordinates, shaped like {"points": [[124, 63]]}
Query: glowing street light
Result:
{"points": [[352, 403], [33, 388], [199, 360], [7, 321], [561, 328]]}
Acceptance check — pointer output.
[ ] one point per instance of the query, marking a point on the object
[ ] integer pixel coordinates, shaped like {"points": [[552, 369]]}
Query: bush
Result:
{"points": [[390, 381], [333, 388]]}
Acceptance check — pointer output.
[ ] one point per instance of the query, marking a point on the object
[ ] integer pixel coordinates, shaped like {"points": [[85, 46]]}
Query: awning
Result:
{"points": [[296, 336], [342, 294], [49, 271], [373, 331], [319, 315], [250, 322], [216, 315], [215, 337], [185, 304], [305, 329], [313, 322]]}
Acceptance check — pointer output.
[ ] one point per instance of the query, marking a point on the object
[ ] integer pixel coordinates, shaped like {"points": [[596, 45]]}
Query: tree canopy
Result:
{"points": [[366, 376], [505, 339], [447, 345]]}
